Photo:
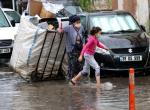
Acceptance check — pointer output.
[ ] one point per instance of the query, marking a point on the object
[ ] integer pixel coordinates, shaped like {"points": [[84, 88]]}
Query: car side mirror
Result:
{"points": [[13, 23], [143, 28]]}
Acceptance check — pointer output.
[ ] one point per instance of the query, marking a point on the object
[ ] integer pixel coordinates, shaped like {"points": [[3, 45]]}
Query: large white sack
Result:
{"points": [[27, 47], [27, 44]]}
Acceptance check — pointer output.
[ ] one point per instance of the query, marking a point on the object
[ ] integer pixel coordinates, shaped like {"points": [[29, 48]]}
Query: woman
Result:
{"points": [[88, 53], [74, 44]]}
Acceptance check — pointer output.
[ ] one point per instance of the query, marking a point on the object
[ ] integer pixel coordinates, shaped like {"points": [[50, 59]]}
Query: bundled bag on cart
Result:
{"points": [[37, 53]]}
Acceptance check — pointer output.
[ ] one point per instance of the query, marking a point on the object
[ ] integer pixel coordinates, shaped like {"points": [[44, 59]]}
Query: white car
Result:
{"points": [[7, 34]]}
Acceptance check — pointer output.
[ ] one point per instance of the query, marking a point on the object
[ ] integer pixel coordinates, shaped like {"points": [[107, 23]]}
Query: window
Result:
{"points": [[12, 15], [3, 20], [114, 23]]}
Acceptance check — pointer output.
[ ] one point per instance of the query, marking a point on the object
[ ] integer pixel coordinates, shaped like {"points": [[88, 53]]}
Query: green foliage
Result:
{"points": [[88, 5], [85, 4], [148, 26], [110, 3]]}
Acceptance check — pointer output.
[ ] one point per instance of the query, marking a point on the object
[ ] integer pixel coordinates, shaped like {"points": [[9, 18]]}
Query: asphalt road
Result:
{"points": [[17, 94]]}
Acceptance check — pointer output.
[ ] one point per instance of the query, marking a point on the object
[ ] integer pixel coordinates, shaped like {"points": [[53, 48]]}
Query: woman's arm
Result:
{"points": [[65, 29]]}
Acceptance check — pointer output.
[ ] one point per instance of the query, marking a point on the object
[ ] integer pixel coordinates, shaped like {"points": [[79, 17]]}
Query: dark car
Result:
{"points": [[69, 10], [128, 41]]}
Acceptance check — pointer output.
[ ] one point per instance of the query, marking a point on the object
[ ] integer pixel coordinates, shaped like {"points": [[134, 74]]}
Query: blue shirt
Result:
{"points": [[71, 35]]}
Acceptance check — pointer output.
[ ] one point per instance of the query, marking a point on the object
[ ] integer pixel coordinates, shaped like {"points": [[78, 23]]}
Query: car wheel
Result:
{"points": [[147, 72]]}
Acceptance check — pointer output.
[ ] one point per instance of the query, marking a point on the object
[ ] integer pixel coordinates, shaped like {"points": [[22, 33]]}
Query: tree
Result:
{"points": [[89, 5], [85, 4]]}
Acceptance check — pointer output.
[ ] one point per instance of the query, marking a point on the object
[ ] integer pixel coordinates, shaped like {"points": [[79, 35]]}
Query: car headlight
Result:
{"points": [[102, 51]]}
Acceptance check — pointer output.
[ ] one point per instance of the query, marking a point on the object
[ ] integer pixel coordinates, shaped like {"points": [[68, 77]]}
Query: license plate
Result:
{"points": [[5, 50], [131, 58]]}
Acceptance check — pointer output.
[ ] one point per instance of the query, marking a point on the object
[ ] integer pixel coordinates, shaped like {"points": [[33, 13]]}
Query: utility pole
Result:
{"points": [[13, 4]]}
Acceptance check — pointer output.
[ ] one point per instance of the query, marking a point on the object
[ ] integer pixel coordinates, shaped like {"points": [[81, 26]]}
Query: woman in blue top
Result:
{"points": [[74, 43]]}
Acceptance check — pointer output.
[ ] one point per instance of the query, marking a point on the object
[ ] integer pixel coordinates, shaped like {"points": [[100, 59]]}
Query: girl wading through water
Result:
{"points": [[88, 53]]}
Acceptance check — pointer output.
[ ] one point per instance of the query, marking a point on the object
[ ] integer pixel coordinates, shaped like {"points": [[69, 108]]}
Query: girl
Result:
{"points": [[88, 53]]}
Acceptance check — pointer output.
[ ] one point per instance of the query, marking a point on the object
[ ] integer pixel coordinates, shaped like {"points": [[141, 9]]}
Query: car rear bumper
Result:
{"points": [[6, 55]]}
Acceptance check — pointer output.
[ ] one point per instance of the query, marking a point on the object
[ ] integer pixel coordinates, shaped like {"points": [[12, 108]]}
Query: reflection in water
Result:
{"points": [[16, 94]]}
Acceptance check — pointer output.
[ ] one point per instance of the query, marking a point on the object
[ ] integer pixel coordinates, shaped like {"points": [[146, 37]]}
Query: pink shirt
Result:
{"points": [[90, 46]]}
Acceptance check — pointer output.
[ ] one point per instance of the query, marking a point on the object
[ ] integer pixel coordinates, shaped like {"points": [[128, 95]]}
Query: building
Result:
{"points": [[6, 3], [18, 5]]}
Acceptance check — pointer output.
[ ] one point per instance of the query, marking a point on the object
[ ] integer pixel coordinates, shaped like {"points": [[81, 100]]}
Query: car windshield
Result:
{"points": [[73, 9], [3, 20], [69, 10], [12, 15], [114, 23]]}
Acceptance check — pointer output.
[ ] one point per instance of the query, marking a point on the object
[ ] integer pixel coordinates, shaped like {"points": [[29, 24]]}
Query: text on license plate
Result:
{"points": [[5, 50], [131, 58]]}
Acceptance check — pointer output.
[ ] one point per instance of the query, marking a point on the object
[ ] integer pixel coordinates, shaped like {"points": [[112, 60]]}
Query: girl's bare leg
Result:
{"points": [[76, 78], [98, 81]]}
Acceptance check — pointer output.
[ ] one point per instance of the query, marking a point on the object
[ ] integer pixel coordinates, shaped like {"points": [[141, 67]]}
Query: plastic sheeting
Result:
{"points": [[36, 6], [54, 8], [37, 53]]}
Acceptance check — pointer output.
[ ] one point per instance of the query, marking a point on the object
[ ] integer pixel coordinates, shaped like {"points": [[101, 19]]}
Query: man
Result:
{"points": [[74, 43]]}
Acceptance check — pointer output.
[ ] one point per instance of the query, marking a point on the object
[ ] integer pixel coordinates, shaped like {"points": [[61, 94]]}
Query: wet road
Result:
{"points": [[16, 94]]}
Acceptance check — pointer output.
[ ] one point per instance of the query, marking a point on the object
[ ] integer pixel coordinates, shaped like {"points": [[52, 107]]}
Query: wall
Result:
{"points": [[142, 12], [6, 3], [138, 8]]}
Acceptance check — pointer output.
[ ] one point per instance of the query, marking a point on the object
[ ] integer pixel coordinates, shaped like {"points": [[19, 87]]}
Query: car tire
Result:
{"points": [[147, 72]]}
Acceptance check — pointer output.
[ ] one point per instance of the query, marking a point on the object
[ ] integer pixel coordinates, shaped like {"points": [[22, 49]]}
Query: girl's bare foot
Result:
{"points": [[72, 82]]}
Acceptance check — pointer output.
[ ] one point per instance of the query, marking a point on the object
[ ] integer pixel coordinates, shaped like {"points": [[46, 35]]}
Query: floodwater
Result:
{"points": [[16, 94]]}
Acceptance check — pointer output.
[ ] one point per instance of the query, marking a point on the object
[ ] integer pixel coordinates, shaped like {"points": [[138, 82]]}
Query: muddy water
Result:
{"points": [[16, 94]]}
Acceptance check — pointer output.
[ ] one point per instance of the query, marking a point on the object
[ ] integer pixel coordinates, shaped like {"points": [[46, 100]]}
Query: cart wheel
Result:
{"points": [[35, 77]]}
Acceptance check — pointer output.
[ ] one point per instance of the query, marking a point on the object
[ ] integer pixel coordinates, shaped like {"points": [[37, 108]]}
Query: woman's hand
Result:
{"points": [[80, 58], [60, 30]]}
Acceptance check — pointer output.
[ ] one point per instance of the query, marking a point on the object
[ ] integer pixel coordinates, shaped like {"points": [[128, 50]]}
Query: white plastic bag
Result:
{"points": [[53, 8]]}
